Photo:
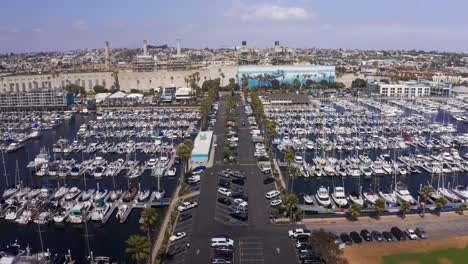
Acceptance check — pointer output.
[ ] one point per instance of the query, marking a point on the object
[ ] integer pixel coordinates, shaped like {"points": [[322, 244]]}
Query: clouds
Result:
{"points": [[80, 25], [267, 12]]}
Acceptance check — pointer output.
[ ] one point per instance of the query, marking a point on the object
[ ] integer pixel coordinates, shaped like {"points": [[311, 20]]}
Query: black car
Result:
{"points": [[224, 184], [238, 181], [268, 180], [377, 235], [366, 235], [224, 200], [355, 237], [346, 238], [387, 236], [184, 217], [174, 251], [240, 216], [398, 233], [238, 189], [238, 175], [240, 195], [223, 253]]}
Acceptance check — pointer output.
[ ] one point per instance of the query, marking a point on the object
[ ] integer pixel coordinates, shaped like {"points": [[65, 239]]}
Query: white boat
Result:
{"points": [[101, 194], [9, 192], [61, 216], [171, 172], [308, 199], [143, 195], [79, 212], [356, 198], [339, 197], [114, 195], [121, 211], [39, 160], [322, 196], [88, 194], [13, 147], [370, 197], [99, 212], [461, 191], [389, 198], [72, 193], [11, 213], [25, 217], [60, 193], [402, 194], [448, 195]]}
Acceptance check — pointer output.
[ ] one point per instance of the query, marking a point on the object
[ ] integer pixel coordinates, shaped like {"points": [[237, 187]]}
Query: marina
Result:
{"points": [[356, 151], [95, 170]]}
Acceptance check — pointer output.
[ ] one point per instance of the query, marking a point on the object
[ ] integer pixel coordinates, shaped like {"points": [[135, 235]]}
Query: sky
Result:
{"points": [[50, 25]]}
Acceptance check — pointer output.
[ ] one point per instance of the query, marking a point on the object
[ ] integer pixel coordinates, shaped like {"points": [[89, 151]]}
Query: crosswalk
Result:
{"points": [[251, 250]]}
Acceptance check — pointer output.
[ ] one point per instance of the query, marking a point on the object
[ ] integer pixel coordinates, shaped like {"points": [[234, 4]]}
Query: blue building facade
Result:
{"points": [[265, 75]]}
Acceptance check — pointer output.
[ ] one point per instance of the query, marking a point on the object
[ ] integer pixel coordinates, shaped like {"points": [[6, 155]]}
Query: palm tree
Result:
{"points": [[138, 247], [379, 206], [184, 151], [150, 216], [425, 193], [405, 208], [289, 158], [440, 203], [291, 201], [462, 208], [354, 210]]}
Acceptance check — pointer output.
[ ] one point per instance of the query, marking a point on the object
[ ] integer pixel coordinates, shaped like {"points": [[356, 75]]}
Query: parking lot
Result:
{"points": [[251, 250], [224, 210], [179, 247]]}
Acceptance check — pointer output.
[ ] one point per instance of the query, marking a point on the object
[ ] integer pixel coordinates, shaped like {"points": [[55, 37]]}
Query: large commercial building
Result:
{"points": [[41, 98], [409, 89], [268, 75]]}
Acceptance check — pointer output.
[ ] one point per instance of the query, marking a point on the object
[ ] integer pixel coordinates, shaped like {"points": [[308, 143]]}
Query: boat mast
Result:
{"points": [[4, 170]]}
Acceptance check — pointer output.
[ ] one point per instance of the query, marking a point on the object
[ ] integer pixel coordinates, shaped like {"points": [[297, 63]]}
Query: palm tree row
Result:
{"points": [[139, 246]]}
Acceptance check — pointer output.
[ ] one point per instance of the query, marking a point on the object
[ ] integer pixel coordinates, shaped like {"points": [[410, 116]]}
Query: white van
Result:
{"points": [[222, 242], [272, 194]]}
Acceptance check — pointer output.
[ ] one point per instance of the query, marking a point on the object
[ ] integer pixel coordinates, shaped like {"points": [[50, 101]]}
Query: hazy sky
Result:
{"points": [[35, 25]]}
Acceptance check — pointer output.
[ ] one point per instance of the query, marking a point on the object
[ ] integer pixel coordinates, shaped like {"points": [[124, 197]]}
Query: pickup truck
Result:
{"points": [[296, 232]]}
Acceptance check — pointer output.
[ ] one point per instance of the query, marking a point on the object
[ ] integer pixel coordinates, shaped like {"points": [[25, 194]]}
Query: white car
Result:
{"points": [[272, 194], [275, 202], [411, 234], [224, 191], [299, 231], [194, 179], [177, 236], [186, 206], [238, 201], [222, 242]]}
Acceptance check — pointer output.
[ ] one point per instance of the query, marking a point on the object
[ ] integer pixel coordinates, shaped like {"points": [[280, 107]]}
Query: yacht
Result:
{"points": [[171, 172], [370, 197], [151, 163], [143, 195], [61, 216], [101, 194], [60, 193], [100, 212], [114, 195], [12, 213], [389, 197], [14, 147], [449, 195], [88, 194], [308, 199], [322, 196], [461, 191], [402, 194], [79, 212], [121, 211], [339, 197], [72, 193], [377, 168], [39, 160], [9, 192]]}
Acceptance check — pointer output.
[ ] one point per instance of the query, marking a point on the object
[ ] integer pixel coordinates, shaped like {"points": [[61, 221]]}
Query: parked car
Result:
{"points": [[272, 194], [224, 184], [420, 232], [186, 206], [377, 235], [355, 237], [346, 238], [299, 231], [184, 217], [366, 235], [276, 202], [387, 236], [411, 234], [397, 233], [268, 180], [221, 242], [238, 181], [224, 191], [224, 200], [240, 195], [177, 236]]}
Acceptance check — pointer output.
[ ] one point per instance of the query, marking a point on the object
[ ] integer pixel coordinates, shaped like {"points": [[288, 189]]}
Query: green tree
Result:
{"points": [[150, 216], [139, 248], [76, 89], [354, 210], [405, 208], [291, 202], [323, 243], [100, 89], [184, 151], [379, 206], [245, 80], [425, 193], [440, 203]]}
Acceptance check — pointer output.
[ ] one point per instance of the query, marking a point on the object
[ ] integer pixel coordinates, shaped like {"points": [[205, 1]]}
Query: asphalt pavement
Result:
{"points": [[256, 241]]}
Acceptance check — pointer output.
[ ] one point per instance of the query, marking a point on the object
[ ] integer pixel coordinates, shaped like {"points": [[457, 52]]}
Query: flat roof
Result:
{"points": [[202, 143]]}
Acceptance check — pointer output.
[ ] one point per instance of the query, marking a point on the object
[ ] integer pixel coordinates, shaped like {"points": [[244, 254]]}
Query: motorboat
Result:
{"points": [[322, 196], [100, 212], [370, 197], [79, 212], [121, 211], [449, 195], [130, 195], [171, 172], [114, 195], [308, 199], [461, 192], [14, 147], [60, 193], [10, 192], [100, 194], [88, 194], [39, 160], [339, 197], [389, 197]]}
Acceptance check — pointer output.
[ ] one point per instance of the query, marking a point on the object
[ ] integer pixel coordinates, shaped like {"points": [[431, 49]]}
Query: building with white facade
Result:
{"points": [[40, 98], [410, 89]]}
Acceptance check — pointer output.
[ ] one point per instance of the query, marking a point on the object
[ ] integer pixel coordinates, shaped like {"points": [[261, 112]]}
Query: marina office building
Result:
{"points": [[202, 147]]}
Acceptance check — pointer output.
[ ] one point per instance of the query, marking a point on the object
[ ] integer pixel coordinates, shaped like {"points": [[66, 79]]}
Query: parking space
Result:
{"points": [[177, 249], [226, 206], [251, 250]]}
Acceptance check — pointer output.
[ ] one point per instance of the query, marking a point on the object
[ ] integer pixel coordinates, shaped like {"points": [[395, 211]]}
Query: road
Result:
{"points": [[257, 241]]}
